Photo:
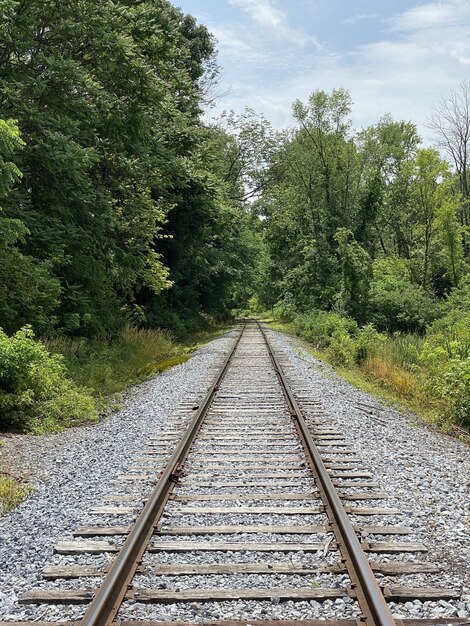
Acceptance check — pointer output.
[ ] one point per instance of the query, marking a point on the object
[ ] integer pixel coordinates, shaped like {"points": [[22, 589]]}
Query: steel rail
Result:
{"points": [[104, 606], [369, 594]]}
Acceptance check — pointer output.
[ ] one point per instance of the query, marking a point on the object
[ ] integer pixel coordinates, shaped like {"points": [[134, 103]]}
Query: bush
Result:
{"points": [[456, 390], [341, 350], [34, 389], [286, 312], [452, 332], [319, 327], [431, 371], [368, 343], [434, 364], [396, 303]]}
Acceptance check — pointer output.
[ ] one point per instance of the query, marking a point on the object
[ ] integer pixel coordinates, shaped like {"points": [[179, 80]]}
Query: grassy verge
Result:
{"points": [[12, 492], [384, 376], [107, 367], [51, 384]]}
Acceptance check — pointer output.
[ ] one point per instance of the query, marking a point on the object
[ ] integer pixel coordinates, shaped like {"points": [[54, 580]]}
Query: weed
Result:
{"points": [[387, 372], [12, 493]]}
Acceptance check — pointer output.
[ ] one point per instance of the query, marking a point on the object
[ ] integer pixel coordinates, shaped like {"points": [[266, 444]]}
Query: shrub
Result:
{"points": [[341, 350], [396, 303], [319, 327], [368, 342], [286, 312], [434, 363], [456, 390], [34, 386], [452, 332]]}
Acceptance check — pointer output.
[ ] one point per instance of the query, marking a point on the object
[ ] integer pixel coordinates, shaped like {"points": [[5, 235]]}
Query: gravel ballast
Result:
{"points": [[81, 465], [425, 473]]}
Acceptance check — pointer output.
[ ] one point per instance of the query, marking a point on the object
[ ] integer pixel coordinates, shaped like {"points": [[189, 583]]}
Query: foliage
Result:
{"points": [[125, 213], [450, 121], [452, 331], [417, 370], [109, 365], [355, 275], [365, 224], [34, 391], [341, 349], [122, 210], [28, 293], [395, 301], [12, 493], [369, 342], [456, 390], [319, 327]]}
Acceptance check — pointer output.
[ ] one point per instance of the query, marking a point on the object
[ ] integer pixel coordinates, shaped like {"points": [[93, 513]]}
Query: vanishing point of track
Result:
{"points": [[293, 465]]}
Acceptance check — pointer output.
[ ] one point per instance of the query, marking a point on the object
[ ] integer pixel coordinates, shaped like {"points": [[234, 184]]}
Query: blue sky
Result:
{"points": [[395, 56]]}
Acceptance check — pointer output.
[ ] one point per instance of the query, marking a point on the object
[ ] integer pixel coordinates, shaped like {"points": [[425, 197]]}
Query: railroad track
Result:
{"points": [[248, 497]]}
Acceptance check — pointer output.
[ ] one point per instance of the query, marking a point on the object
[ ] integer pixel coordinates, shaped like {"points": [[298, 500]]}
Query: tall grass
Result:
{"points": [[110, 365], [429, 374], [390, 375]]}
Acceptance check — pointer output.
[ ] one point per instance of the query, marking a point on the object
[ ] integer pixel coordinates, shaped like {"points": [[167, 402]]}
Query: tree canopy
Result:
{"points": [[113, 211]]}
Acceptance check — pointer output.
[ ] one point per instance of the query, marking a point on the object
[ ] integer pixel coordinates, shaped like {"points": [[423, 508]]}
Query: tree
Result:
{"points": [[355, 276], [107, 97], [428, 192], [28, 292], [450, 233], [451, 123], [396, 303], [248, 149], [325, 126], [314, 191], [385, 149]]}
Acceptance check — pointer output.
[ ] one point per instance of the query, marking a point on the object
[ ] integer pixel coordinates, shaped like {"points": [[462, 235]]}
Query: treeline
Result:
{"points": [[117, 205], [370, 224], [367, 245]]}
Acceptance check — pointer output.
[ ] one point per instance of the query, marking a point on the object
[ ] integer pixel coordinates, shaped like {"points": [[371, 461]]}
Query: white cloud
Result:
{"points": [[237, 45], [433, 15], [263, 12], [273, 20], [359, 17]]}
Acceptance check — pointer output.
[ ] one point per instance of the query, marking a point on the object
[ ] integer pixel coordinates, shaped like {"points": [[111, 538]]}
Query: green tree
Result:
{"points": [[428, 193], [107, 99], [396, 303], [28, 293], [314, 190], [355, 264], [450, 235], [385, 149]]}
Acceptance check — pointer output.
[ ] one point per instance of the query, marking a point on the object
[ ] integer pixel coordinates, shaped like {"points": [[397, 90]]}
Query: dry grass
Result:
{"points": [[391, 375]]}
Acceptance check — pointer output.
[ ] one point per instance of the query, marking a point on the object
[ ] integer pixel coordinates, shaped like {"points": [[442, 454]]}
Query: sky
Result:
{"points": [[394, 56]]}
